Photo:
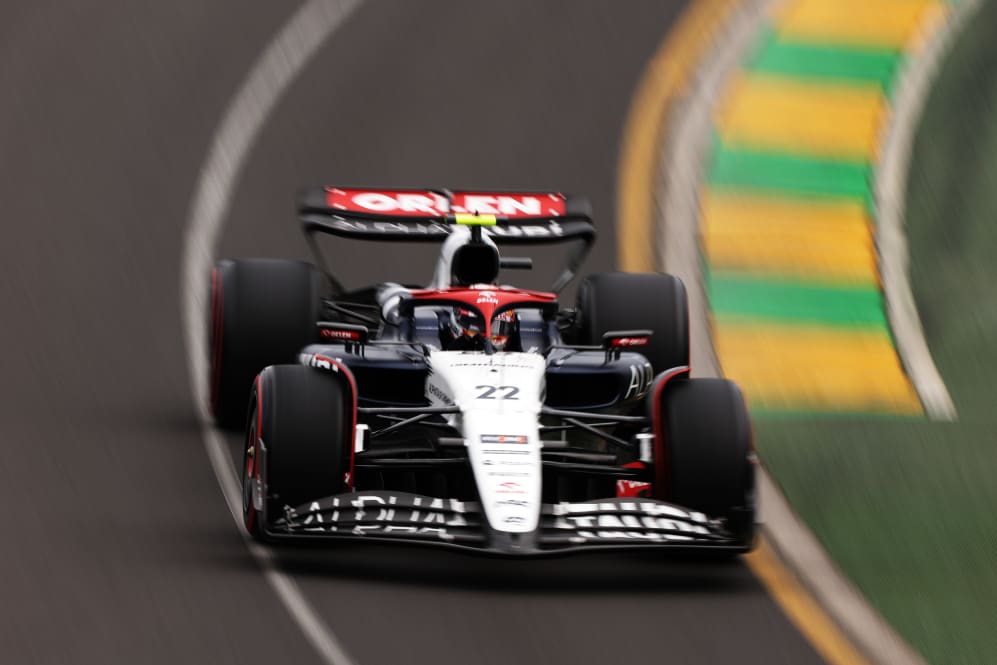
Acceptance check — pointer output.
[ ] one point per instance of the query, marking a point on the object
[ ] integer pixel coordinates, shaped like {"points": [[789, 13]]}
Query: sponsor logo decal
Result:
{"points": [[387, 202], [390, 227], [629, 341], [508, 204], [332, 333], [641, 378], [417, 516], [549, 230], [408, 515], [431, 204], [493, 363], [647, 507], [504, 438], [630, 520], [487, 297], [320, 362], [437, 392]]}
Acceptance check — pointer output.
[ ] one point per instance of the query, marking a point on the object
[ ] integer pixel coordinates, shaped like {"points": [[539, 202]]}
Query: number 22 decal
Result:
{"points": [[488, 392]]}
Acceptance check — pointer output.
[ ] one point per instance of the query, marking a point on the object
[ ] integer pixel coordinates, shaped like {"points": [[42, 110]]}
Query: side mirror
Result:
{"points": [[334, 332], [615, 341], [624, 339]]}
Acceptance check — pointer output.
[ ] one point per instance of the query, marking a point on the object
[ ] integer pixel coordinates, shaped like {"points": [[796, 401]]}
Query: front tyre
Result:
{"points": [[709, 461], [303, 418]]}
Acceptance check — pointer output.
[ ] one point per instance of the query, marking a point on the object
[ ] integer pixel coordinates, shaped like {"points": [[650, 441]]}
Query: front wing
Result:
{"points": [[403, 517]]}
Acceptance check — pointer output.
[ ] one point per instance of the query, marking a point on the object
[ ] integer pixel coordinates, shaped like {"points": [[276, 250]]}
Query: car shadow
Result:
{"points": [[631, 571]]}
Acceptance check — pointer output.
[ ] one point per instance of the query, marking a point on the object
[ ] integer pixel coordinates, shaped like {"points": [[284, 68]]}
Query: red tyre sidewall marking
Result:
{"points": [[349, 477], [252, 469], [688, 339], [351, 437], [662, 458]]}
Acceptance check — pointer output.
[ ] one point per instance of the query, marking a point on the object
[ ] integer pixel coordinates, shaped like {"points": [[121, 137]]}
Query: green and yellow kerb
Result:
{"points": [[787, 212]]}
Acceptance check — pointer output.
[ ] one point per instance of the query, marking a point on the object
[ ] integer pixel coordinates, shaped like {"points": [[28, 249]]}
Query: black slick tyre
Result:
{"points": [[304, 417], [709, 462], [632, 301], [263, 311]]}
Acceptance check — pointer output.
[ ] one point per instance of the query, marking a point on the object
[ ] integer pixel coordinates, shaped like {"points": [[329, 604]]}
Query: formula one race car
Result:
{"points": [[468, 413]]}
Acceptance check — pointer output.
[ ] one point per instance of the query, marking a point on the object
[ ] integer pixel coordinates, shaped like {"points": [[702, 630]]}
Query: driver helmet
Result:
{"points": [[464, 330], [503, 327], [467, 324], [467, 328]]}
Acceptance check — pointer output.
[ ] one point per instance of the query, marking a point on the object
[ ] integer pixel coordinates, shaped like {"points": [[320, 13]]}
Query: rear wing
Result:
{"points": [[429, 215]]}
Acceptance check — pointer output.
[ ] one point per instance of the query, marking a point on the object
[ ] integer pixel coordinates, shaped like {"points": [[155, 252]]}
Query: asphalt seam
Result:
{"points": [[913, 85], [684, 155], [266, 82]]}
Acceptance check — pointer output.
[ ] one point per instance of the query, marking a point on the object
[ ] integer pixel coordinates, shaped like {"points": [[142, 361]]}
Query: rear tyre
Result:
{"points": [[304, 418], [263, 311], [709, 463], [629, 301]]}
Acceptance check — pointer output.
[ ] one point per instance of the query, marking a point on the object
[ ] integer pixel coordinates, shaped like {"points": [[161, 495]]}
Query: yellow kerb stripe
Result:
{"points": [[828, 241], [795, 367], [778, 114], [877, 23]]}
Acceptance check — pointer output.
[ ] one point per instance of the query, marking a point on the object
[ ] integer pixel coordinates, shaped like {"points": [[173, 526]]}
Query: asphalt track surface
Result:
{"points": [[118, 547]]}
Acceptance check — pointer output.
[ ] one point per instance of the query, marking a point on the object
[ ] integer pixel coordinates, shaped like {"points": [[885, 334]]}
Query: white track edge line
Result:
{"points": [[890, 191], [318, 634], [684, 152], [269, 78]]}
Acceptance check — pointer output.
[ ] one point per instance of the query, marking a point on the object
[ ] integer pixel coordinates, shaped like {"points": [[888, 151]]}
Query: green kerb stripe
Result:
{"points": [[744, 296], [826, 62], [737, 168]]}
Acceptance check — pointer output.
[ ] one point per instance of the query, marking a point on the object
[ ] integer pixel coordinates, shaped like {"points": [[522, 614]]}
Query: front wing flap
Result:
{"points": [[399, 516]]}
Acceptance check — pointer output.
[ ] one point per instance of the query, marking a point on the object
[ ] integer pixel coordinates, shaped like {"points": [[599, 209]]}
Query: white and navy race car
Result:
{"points": [[469, 413]]}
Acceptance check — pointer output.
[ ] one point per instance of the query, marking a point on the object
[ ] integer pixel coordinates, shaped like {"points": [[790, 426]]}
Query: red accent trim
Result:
{"points": [[626, 489], [469, 295], [485, 300], [250, 517], [662, 460], [217, 330], [350, 477]]}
